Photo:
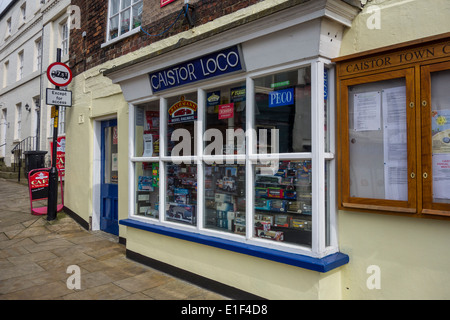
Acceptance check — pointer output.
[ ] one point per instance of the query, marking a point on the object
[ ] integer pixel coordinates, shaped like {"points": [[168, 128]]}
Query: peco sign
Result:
{"points": [[206, 67]]}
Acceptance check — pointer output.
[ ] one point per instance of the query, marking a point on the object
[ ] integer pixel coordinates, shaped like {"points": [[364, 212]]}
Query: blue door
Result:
{"points": [[109, 221]]}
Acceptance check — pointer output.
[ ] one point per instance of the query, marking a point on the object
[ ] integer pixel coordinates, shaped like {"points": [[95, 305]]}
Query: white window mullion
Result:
{"points": [[318, 157], [162, 153], [131, 164], [199, 129], [250, 151]]}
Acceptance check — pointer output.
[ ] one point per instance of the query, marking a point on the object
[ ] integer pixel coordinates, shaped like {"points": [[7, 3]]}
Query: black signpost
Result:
{"points": [[52, 203]]}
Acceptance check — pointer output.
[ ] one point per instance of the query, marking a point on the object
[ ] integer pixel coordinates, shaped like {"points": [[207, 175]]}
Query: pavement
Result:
{"points": [[45, 260]]}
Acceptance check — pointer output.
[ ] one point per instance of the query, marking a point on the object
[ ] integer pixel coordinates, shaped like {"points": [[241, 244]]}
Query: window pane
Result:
{"points": [[111, 155], [147, 130], [147, 189], [225, 110], [440, 126], [114, 6], [125, 4], [225, 198], [125, 21], [283, 201], [137, 15], [181, 119], [114, 27], [378, 140], [181, 206], [283, 102]]}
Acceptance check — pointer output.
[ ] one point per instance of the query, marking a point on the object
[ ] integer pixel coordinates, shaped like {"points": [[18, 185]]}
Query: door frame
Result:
{"points": [[97, 171]]}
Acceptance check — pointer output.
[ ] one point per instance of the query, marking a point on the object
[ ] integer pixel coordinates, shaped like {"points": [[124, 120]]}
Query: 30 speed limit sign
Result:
{"points": [[59, 74]]}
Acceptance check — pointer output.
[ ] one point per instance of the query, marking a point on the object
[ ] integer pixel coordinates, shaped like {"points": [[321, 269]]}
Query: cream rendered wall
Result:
{"points": [[268, 279], [94, 98], [399, 21], [412, 254]]}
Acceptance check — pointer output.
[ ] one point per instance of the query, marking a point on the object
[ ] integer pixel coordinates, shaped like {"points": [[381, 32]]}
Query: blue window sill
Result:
{"points": [[325, 264]]}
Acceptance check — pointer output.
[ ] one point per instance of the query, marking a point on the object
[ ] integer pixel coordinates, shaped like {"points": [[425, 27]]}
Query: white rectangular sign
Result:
{"points": [[59, 98]]}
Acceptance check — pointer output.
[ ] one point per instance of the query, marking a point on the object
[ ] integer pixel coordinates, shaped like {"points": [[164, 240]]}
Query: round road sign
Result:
{"points": [[59, 74]]}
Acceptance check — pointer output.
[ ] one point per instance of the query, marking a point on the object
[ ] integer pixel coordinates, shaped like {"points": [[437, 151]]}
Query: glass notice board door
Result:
{"points": [[436, 137], [380, 130]]}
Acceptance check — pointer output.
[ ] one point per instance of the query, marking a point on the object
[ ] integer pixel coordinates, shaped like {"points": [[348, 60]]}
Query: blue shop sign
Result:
{"points": [[212, 65], [281, 98]]}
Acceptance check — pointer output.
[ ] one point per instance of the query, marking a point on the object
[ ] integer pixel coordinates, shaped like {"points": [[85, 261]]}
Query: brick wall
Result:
{"points": [[86, 53]]}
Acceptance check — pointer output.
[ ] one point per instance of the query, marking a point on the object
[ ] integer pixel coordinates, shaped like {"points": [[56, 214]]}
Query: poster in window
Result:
{"points": [[441, 176], [440, 130], [395, 143], [183, 111], [367, 111]]}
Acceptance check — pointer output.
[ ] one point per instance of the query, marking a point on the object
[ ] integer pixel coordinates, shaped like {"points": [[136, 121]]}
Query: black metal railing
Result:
{"points": [[27, 144]]}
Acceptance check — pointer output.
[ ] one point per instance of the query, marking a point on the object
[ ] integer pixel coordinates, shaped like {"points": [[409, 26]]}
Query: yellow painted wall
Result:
{"points": [[399, 21], [261, 277], [412, 254]]}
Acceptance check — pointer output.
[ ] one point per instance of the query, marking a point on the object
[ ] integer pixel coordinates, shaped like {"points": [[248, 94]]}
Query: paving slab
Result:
{"points": [[36, 256]]}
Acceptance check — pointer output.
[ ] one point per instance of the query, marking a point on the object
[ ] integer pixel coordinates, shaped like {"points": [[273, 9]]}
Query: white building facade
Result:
{"points": [[30, 33]]}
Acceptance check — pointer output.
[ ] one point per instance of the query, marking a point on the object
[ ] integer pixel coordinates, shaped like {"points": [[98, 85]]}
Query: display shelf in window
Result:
{"points": [[147, 189], [181, 193], [225, 198], [283, 202]]}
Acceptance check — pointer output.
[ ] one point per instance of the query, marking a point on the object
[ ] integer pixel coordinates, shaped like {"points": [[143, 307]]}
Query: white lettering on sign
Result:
{"points": [[212, 65]]}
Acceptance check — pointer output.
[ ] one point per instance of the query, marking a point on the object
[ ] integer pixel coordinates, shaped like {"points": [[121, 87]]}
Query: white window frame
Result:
{"points": [[131, 30], [5, 74], [23, 12], [18, 126], [8, 27], [20, 65], [318, 155], [38, 62], [64, 36]]}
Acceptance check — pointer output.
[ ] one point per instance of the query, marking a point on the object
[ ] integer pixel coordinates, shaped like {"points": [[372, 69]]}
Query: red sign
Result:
{"points": [[60, 154], [39, 185], [226, 111], [59, 74], [166, 2]]}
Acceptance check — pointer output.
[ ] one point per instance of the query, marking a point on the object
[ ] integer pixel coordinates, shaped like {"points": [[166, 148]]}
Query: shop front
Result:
{"points": [[231, 159]]}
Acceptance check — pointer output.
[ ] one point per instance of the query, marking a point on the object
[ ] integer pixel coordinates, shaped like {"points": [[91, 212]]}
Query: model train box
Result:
{"points": [[221, 197], [182, 212], [301, 224], [282, 221], [260, 192], [262, 204], [275, 193], [278, 205], [224, 206], [181, 195], [270, 234]]}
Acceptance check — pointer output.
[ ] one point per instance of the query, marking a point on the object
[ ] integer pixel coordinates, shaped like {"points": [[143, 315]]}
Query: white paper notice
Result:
{"points": [[441, 176], [395, 144], [367, 111], [148, 145]]}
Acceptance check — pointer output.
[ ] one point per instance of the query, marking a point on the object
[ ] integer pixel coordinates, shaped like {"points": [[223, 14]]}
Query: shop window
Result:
{"points": [[225, 198], [181, 124], [225, 120], [283, 103], [241, 161], [181, 191], [283, 202]]}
